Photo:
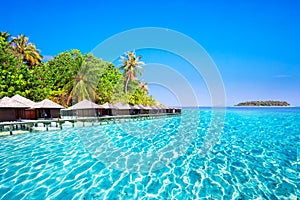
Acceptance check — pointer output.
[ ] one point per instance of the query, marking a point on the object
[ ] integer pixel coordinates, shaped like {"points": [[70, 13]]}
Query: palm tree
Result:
{"points": [[131, 66], [5, 35], [28, 51], [85, 82], [144, 87]]}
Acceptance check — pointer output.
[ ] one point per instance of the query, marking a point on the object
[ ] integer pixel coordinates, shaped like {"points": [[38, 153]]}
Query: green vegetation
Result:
{"points": [[16, 77], [27, 51], [69, 77], [264, 103], [131, 66]]}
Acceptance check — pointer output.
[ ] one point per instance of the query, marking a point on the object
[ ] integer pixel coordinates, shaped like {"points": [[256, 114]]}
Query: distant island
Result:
{"points": [[263, 103]]}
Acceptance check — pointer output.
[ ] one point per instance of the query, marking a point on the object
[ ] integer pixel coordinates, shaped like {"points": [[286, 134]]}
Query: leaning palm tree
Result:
{"points": [[28, 51], [131, 66], [85, 82]]}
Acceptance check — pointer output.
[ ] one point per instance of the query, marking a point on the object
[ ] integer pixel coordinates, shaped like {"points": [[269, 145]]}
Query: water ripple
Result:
{"points": [[254, 158]]}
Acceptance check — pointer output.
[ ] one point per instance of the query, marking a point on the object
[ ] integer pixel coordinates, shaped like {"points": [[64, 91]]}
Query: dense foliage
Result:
{"points": [[131, 66], [264, 103], [69, 77], [16, 77]]}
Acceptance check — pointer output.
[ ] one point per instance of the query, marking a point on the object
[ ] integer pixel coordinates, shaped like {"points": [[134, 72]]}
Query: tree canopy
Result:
{"points": [[264, 103], [27, 51], [131, 66], [16, 77], [68, 77]]}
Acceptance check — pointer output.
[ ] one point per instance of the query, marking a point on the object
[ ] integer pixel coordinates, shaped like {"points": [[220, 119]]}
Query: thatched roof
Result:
{"points": [[108, 106], [5, 99], [144, 107], [160, 107], [47, 104], [7, 102], [136, 107], [155, 107], [141, 106], [23, 100], [85, 104], [123, 106], [148, 107]]}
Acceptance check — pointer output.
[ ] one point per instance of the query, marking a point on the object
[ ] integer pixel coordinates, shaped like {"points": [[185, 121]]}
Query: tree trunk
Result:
{"points": [[126, 85]]}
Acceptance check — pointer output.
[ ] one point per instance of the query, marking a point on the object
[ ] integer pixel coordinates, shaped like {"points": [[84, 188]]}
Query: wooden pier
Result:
{"points": [[30, 124]]}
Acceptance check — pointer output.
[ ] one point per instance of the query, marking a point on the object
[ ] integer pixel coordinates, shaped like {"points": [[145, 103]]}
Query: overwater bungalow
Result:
{"points": [[156, 109], [30, 112], [123, 109], [23, 100], [11, 109], [83, 108], [107, 109], [169, 110], [178, 110], [145, 109], [162, 109], [18, 107], [173, 110], [47, 109], [136, 110]]}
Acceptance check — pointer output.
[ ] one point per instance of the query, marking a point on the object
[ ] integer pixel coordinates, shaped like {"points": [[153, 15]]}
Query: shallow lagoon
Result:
{"points": [[245, 153]]}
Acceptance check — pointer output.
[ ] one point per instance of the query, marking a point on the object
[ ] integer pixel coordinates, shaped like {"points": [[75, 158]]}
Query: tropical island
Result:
{"points": [[69, 76], [263, 103]]}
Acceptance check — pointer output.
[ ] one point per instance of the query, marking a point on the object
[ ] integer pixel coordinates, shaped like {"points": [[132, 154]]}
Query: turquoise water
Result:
{"points": [[245, 153]]}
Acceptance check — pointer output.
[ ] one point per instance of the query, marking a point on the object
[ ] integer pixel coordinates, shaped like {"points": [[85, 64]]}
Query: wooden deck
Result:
{"points": [[31, 124]]}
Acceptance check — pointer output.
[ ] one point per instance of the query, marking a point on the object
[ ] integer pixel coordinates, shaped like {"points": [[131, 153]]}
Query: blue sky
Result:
{"points": [[255, 44]]}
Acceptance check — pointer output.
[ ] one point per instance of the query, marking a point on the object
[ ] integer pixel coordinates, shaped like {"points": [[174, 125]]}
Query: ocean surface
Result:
{"points": [[233, 153]]}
